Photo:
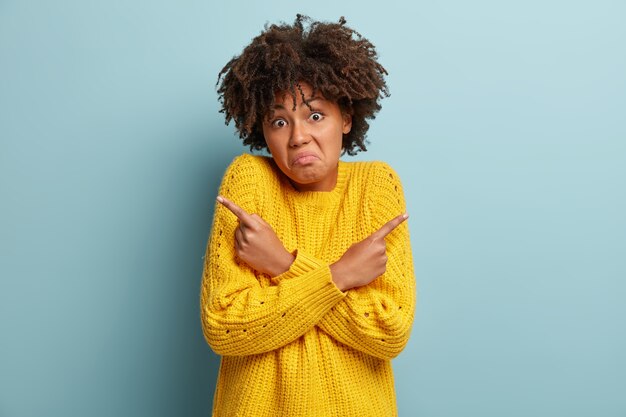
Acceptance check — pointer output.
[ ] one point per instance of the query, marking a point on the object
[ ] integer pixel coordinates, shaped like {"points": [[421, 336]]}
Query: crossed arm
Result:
{"points": [[258, 246], [353, 300]]}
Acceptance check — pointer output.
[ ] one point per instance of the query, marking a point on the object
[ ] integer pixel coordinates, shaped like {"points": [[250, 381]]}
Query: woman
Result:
{"points": [[308, 289]]}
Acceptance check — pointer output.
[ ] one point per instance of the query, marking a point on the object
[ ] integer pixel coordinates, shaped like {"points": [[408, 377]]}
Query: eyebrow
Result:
{"points": [[318, 98]]}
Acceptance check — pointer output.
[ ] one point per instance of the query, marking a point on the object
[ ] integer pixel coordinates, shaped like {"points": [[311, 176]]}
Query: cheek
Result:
{"points": [[278, 152], [271, 142], [337, 142]]}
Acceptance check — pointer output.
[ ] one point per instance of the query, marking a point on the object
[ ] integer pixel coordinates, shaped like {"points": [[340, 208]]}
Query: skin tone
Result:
{"points": [[256, 242], [306, 144]]}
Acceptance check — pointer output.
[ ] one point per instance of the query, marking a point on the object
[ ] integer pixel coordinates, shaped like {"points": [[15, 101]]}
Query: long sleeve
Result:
{"points": [[377, 318], [288, 341], [243, 313]]}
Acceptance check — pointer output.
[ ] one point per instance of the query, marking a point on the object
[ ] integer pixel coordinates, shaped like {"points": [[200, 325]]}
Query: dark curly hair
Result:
{"points": [[333, 58]]}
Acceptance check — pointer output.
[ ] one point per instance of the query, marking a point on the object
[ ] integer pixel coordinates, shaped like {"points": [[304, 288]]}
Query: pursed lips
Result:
{"points": [[303, 156]]}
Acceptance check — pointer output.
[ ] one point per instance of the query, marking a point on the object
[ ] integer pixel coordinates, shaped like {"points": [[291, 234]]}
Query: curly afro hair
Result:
{"points": [[331, 57]]}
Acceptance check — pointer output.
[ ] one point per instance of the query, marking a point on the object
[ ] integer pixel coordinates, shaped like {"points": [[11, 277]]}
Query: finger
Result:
{"points": [[390, 226], [241, 214], [259, 219], [238, 238]]}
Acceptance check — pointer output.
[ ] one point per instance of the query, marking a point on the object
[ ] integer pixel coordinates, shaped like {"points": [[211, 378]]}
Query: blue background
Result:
{"points": [[506, 123]]}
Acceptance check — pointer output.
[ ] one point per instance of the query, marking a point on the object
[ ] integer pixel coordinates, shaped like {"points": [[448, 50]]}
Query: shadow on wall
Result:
{"points": [[202, 362], [173, 372]]}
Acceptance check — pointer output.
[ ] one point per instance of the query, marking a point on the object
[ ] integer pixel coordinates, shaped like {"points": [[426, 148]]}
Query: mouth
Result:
{"points": [[304, 158]]}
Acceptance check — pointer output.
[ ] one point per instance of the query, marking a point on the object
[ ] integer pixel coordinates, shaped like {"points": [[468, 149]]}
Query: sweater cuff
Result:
{"points": [[316, 293], [302, 264]]}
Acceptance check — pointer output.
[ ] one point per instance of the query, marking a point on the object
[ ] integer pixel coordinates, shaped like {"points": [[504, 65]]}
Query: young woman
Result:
{"points": [[308, 289]]}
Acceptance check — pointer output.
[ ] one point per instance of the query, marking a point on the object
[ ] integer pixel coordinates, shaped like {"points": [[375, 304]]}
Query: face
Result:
{"points": [[306, 142]]}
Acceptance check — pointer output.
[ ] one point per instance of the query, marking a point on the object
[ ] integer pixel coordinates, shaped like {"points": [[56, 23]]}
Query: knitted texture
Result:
{"points": [[294, 344]]}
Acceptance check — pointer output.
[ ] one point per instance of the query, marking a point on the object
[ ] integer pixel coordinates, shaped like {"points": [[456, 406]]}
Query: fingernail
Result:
{"points": [[405, 216], [220, 199]]}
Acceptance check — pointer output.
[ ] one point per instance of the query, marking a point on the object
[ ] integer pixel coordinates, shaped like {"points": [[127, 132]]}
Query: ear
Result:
{"points": [[347, 123]]}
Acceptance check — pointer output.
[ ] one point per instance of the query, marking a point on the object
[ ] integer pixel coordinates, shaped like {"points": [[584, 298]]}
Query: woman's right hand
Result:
{"points": [[366, 260]]}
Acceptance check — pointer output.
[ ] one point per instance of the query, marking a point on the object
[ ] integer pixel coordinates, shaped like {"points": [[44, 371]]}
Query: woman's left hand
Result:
{"points": [[256, 242]]}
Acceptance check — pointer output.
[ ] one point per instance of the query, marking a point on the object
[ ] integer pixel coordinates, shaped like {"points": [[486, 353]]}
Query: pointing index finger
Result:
{"points": [[241, 214], [390, 226]]}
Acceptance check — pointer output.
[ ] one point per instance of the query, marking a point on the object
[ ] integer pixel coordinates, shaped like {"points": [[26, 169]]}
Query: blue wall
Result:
{"points": [[506, 123]]}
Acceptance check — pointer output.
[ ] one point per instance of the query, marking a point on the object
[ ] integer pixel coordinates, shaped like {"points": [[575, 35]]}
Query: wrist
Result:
{"points": [[284, 264], [338, 276]]}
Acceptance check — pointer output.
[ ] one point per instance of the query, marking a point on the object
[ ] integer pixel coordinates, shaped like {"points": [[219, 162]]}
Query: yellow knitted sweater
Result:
{"points": [[294, 344]]}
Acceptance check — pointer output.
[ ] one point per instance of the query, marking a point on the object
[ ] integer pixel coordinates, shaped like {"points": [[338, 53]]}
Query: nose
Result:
{"points": [[299, 135]]}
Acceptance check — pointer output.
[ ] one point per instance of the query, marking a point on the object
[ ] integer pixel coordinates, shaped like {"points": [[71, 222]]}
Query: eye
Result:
{"points": [[316, 116], [279, 123]]}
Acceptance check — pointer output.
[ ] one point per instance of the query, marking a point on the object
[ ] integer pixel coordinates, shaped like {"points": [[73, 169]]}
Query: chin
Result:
{"points": [[304, 181]]}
